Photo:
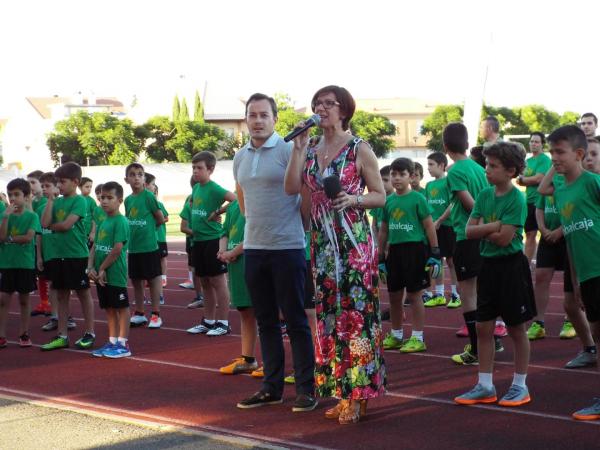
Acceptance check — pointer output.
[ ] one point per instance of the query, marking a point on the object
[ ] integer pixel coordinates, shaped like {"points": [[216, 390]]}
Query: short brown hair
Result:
{"points": [[346, 101], [209, 159], [258, 97], [510, 154], [35, 174], [69, 170], [48, 177]]}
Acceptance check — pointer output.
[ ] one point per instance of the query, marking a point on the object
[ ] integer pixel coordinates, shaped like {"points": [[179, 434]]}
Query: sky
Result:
{"points": [[532, 51]]}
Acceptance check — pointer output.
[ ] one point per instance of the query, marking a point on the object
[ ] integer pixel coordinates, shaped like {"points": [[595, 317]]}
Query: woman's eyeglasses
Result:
{"points": [[326, 104]]}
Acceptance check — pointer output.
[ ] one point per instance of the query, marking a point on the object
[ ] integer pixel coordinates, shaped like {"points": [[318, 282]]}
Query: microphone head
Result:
{"points": [[316, 119], [332, 186]]}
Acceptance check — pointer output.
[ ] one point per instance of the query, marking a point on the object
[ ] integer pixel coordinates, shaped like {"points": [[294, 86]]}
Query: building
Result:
{"points": [[224, 110]]}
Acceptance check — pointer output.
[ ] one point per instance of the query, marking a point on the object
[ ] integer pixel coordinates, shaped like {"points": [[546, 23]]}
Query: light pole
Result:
{"points": [[60, 155]]}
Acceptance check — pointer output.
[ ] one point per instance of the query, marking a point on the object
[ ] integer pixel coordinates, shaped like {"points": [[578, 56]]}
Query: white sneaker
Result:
{"points": [[202, 328], [189, 284], [137, 320], [219, 329], [198, 302], [155, 321]]}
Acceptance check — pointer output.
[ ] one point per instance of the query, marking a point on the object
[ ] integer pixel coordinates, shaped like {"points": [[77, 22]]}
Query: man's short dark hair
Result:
{"points": [[69, 170], [35, 174], [456, 137], [592, 115], [493, 123], [48, 177], [343, 97], [510, 154], [98, 188], [133, 165], [258, 97], [541, 135], [477, 155], [440, 158], [148, 177], [85, 180], [571, 134], [209, 159], [20, 184], [402, 164], [385, 171], [113, 186]]}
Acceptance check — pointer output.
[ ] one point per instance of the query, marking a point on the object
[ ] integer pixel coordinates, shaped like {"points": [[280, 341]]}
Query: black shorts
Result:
{"points": [[467, 259], [144, 266], [163, 250], [112, 297], [67, 273], [551, 256], [17, 280], [188, 250], [530, 222], [406, 267], [204, 259], [504, 289], [309, 287], [446, 240], [590, 296]]}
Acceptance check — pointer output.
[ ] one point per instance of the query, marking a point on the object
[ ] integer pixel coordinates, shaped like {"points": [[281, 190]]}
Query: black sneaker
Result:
{"points": [[259, 399], [498, 345], [304, 402]]}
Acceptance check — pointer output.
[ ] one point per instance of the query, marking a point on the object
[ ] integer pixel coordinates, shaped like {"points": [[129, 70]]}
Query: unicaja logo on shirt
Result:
{"points": [[199, 212], [397, 214], [60, 215], [550, 206], [14, 231], [491, 218], [102, 235], [582, 225], [103, 248], [133, 212]]}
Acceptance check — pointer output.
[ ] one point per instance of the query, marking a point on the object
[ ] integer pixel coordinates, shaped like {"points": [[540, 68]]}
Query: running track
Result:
{"points": [[173, 379]]}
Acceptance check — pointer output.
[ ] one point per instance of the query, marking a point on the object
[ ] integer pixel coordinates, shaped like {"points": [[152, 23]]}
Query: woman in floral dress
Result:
{"points": [[348, 342]]}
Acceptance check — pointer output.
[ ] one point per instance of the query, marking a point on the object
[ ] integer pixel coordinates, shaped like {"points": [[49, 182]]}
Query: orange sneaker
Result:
{"points": [[258, 373], [239, 365]]}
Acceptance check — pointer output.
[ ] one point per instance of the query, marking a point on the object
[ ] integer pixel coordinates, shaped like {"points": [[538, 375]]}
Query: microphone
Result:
{"points": [[332, 187], [315, 119]]}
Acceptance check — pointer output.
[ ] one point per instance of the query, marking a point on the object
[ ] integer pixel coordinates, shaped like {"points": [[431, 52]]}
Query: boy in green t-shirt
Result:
{"points": [[144, 215], [17, 256], [184, 227], [65, 217], [376, 213], [504, 287], [438, 199], [231, 252], [591, 162], [578, 203], [107, 267], [207, 200], [161, 233], [415, 180], [85, 187], [405, 227], [98, 215]]}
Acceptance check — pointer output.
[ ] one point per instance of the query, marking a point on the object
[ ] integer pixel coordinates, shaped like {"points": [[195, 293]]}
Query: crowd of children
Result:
{"points": [[56, 241]]}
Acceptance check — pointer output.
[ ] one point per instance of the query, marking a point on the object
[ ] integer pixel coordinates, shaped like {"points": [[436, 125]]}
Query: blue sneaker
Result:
{"points": [[118, 351], [516, 396], [99, 352], [589, 413], [478, 394]]}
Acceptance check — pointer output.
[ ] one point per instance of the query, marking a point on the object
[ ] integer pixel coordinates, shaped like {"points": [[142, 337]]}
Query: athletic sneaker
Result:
{"points": [[391, 342], [478, 394], [304, 402], [155, 321], [259, 399], [147, 301], [86, 341], [99, 352], [454, 302], [567, 331], [118, 351], [258, 373], [219, 329], [583, 359], [25, 340], [239, 365], [466, 358], [202, 328], [500, 330], [516, 396], [71, 324], [283, 327], [41, 310], [3, 342], [413, 345], [189, 284], [426, 297], [498, 347], [589, 413], [138, 319], [536, 331], [463, 331], [162, 299], [56, 343], [51, 325], [437, 300], [290, 379], [198, 302]]}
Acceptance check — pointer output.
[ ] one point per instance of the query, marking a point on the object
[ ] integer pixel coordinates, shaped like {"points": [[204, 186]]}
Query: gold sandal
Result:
{"points": [[353, 412]]}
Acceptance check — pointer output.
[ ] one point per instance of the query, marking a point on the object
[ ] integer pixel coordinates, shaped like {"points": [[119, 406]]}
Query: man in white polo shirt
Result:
{"points": [[275, 266]]}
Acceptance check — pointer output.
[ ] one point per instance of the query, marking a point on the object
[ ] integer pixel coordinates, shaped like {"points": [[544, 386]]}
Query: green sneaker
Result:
{"points": [[290, 379], [567, 331], [391, 342], [55, 344], [454, 302], [466, 358], [536, 331], [437, 300], [86, 341], [413, 345]]}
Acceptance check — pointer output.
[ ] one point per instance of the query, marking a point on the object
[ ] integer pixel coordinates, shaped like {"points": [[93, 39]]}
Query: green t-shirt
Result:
{"points": [[112, 230], [205, 200], [464, 175], [140, 209], [98, 216], [535, 165], [161, 232], [91, 206], [578, 204], [377, 214], [233, 229], [510, 209], [307, 245], [73, 242], [186, 214], [2, 207], [404, 215], [48, 250], [438, 198], [38, 203], [20, 256]]}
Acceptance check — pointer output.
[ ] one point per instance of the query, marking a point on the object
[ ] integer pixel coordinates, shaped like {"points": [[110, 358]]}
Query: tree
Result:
{"points": [[155, 133], [287, 116], [191, 137], [198, 109], [184, 113], [176, 109], [433, 125], [375, 129], [538, 118], [569, 118]]}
